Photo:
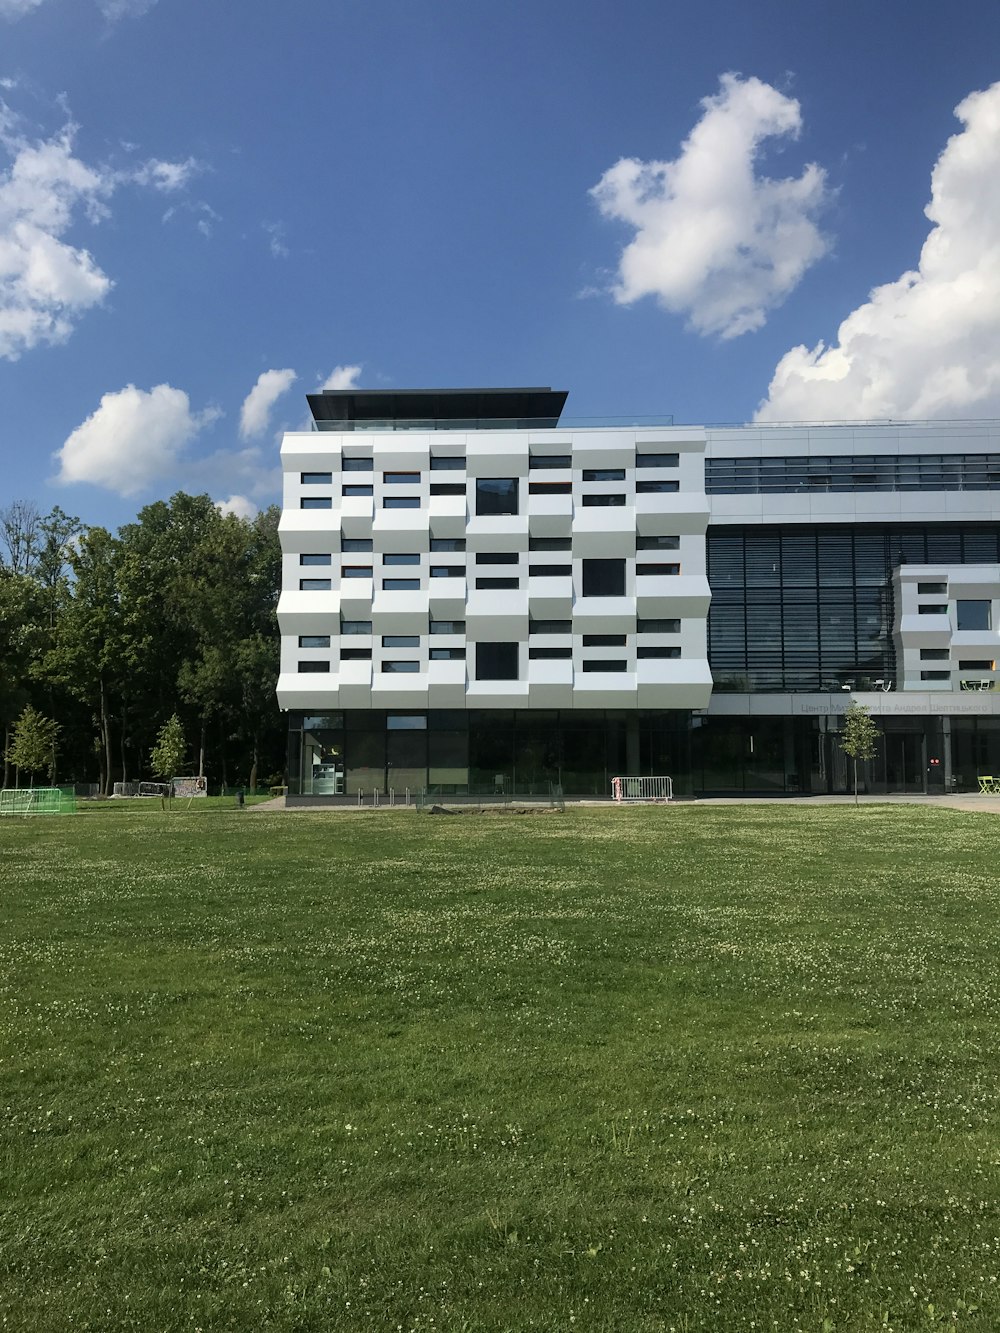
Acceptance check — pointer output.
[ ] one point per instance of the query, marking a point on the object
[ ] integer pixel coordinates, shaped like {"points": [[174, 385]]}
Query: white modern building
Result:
{"points": [[479, 594]]}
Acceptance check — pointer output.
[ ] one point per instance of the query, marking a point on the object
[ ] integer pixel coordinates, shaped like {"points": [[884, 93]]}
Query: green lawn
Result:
{"points": [[646, 1069]]}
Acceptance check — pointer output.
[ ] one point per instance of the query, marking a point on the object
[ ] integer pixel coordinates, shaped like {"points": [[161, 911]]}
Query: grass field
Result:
{"points": [[647, 1069]]}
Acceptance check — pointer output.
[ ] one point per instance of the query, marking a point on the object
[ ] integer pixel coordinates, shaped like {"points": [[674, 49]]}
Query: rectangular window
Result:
{"points": [[933, 610], [976, 664], [401, 585], [355, 627], [314, 640], [316, 502], [658, 570], [973, 615], [355, 544], [400, 640], [447, 571], [550, 627], [497, 557], [447, 488], [934, 654], [314, 585], [935, 675], [356, 571], [496, 496], [316, 478], [314, 668], [447, 654], [932, 589], [401, 502], [401, 558], [550, 571], [603, 501], [658, 652], [538, 462], [400, 667], [656, 487], [604, 474], [447, 627], [605, 664], [658, 627], [657, 543], [400, 478], [657, 460], [496, 661], [315, 559], [550, 488], [551, 654], [497, 585], [604, 641], [550, 543], [356, 465], [447, 543], [604, 578], [406, 722], [356, 492], [355, 654], [447, 463]]}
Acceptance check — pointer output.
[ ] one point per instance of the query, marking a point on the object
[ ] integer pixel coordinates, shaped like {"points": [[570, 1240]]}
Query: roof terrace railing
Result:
{"points": [[497, 423]]}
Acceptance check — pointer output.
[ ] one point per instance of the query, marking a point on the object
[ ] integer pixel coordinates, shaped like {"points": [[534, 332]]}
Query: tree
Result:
{"points": [[170, 748], [19, 536], [858, 737], [33, 745]]}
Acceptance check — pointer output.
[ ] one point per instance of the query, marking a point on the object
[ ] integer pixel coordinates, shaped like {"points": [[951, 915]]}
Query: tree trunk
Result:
{"points": [[6, 761], [201, 748], [106, 739], [222, 757], [121, 746], [855, 782], [253, 768]]}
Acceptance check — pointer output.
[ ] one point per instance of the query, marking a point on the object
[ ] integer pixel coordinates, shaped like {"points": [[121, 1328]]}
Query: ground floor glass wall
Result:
{"points": [[534, 752]]}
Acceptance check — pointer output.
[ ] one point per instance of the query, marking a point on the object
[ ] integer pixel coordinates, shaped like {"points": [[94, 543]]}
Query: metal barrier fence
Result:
{"points": [[642, 789]]}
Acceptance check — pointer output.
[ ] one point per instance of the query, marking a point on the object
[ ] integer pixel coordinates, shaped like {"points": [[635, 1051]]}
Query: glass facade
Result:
{"points": [[798, 608], [813, 474], [483, 751]]}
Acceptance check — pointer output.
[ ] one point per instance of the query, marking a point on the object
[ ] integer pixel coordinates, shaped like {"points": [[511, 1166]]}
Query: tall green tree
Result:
{"points": [[859, 738]]}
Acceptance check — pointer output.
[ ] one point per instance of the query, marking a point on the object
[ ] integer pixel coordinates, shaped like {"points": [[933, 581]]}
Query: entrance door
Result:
{"points": [[905, 762]]}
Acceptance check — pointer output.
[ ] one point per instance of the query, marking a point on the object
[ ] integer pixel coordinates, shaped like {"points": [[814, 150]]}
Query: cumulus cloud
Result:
{"points": [[928, 344], [256, 411], [47, 283], [238, 505], [133, 439], [714, 239], [342, 377]]}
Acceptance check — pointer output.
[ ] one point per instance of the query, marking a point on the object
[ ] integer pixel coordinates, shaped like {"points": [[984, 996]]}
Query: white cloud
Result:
{"points": [[47, 283], [714, 239], [133, 439], [342, 377], [928, 344], [238, 505], [166, 176], [113, 10], [276, 239], [256, 411], [15, 9]]}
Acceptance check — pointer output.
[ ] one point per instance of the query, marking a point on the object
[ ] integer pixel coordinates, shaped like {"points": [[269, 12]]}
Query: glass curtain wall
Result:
{"points": [[810, 608]]}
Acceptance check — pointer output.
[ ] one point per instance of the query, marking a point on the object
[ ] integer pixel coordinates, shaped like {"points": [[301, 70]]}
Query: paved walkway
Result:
{"points": [[969, 802]]}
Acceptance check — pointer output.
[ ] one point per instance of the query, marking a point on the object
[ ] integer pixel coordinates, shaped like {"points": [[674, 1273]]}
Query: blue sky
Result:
{"points": [[194, 194]]}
